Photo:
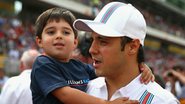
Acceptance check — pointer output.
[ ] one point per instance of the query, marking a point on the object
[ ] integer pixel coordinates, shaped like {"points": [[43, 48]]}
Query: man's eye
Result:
{"points": [[103, 42]]}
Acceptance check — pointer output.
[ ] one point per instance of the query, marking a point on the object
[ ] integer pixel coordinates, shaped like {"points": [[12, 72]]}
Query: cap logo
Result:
{"points": [[109, 12]]}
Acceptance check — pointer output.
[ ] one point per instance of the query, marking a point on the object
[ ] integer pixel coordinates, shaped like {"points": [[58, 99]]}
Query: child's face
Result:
{"points": [[58, 40]]}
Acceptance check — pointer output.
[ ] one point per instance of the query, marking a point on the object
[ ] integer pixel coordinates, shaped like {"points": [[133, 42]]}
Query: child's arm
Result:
{"points": [[147, 74], [70, 95]]}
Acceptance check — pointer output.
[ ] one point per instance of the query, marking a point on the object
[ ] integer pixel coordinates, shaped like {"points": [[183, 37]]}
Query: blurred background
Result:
{"points": [[164, 44]]}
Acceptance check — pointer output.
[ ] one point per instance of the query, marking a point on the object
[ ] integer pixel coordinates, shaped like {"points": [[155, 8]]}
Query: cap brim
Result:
{"points": [[98, 27]]}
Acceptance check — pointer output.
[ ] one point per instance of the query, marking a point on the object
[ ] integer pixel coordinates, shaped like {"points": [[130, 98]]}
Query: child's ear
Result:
{"points": [[39, 42], [75, 43]]}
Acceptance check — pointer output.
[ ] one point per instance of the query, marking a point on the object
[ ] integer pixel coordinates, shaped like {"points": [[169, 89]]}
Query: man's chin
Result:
{"points": [[98, 73]]}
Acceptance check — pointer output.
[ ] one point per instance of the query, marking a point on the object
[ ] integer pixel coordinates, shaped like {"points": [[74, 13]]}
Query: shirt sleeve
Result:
{"points": [[49, 77]]}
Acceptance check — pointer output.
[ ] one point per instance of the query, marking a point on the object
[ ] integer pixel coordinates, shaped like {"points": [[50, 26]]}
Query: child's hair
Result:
{"points": [[54, 14]]}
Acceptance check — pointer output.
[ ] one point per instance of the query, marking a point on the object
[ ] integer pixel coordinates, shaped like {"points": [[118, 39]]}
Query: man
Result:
{"points": [[118, 34], [17, 89]]}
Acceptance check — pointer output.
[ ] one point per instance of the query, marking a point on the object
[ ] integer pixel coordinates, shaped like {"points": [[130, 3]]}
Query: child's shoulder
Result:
{"points": [[44, 59], [78, 62]]}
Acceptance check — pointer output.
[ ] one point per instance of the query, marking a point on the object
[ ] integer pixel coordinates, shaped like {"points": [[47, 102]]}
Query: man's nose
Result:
{"points": [[93, 48]]}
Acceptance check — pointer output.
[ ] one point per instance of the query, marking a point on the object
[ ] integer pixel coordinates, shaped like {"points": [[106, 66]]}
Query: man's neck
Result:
{"points": [[121, 79]]}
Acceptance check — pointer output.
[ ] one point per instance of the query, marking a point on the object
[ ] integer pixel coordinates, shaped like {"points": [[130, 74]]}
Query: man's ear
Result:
{"points": [[134, 46], [39, 42]]}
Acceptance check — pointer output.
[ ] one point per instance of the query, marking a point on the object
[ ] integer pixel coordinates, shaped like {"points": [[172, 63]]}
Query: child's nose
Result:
{"points": [[59, 35]]}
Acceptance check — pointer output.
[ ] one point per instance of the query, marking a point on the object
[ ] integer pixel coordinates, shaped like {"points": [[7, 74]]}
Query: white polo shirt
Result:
{"points": [[151, 93], [17, 90]]}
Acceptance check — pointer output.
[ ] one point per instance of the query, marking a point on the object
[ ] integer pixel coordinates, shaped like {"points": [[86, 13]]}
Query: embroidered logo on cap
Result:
{"points": [[109, 12]]}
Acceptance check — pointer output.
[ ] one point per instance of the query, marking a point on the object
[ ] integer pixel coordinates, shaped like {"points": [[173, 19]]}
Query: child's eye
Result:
{"points": [[66, 32], [50, 32]]}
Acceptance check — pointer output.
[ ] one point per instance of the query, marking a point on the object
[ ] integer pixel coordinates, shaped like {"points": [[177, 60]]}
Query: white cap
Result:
{"points": [[116, 19]]}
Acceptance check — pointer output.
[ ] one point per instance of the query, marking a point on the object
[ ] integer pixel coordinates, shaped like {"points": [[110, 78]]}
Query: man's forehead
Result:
{"points": [[95, 35]]}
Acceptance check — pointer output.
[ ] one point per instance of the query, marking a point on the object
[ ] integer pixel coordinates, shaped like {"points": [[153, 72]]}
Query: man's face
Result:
{"points": [[108, 59]]}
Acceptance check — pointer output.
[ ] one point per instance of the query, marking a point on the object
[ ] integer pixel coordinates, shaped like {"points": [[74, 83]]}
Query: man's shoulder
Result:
{"points": [[156, 89], [159, 93]]}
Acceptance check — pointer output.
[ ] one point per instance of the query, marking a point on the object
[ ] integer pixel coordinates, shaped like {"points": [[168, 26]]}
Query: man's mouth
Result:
{"points": [[96, 63]]}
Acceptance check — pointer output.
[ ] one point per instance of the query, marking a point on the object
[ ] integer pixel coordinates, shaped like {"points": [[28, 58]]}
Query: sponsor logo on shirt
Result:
{"points": [[78, 83], [146, 98]]}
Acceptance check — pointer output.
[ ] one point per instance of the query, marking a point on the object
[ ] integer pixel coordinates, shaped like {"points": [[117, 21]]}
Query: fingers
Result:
{"points": [[127, 101], [149, 77], [131, 102], [141, 67], [147, 74], [146, 77], [124, 98]]}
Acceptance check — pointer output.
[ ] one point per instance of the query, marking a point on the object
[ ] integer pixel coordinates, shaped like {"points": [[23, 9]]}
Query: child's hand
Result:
{"points": [[147, 74], [124, 100]]}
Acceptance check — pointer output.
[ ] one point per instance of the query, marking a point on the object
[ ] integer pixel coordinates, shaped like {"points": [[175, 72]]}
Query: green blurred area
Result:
{"points": [[178, 3]]}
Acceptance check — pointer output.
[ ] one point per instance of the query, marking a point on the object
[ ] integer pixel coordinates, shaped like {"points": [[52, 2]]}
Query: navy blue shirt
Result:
{"points": [[49, 74]]}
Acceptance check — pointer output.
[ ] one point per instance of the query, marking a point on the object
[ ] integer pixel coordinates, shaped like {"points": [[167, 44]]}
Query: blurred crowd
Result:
{"points": [[160, 23], [17, 36], [161, 61], [153, 20]]}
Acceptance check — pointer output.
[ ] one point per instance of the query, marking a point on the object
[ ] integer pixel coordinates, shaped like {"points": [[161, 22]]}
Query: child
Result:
{"points": [[55, 77]]}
